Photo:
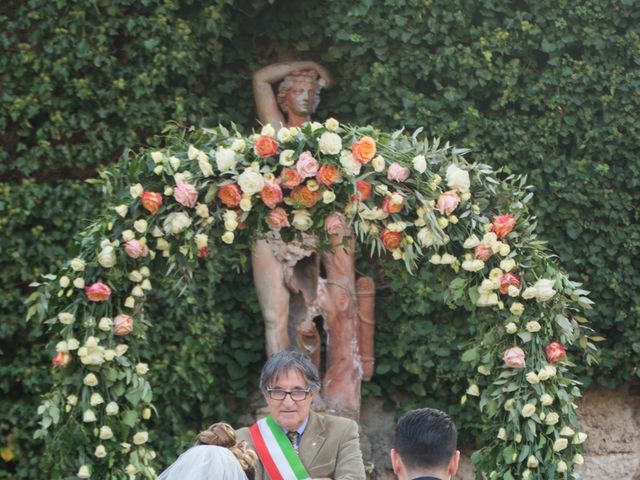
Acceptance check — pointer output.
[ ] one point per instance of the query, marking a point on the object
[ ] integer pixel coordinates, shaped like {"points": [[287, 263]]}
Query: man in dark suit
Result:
{"points": [[425, 446], [328, 447]]}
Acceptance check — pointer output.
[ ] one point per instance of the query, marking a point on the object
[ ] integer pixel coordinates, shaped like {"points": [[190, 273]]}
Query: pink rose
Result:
{"points": [[277, 219], [122, 324], [397, 172], [271, 194], [555, 352], [507, 280], [135, 248], [97, 292], [448, 202], [307, 166], [334, 223], [483, 253], [503, 225], [514, 358], [186, 194]]}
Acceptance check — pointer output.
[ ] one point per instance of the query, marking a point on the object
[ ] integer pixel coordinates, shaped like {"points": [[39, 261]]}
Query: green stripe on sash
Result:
{"points": [[288, 450]]}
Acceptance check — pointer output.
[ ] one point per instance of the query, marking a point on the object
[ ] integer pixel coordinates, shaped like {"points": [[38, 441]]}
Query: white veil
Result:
{"points": [[205, 462]]}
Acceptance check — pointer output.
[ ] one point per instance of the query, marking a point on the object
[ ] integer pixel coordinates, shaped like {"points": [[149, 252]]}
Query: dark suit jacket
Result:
{"points": [[329, 447]]}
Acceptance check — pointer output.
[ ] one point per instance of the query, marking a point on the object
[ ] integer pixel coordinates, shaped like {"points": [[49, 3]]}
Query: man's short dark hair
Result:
{"points": [[286, 360], [425, 438]]}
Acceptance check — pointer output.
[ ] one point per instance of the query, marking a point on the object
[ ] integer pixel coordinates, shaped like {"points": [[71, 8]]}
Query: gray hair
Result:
{"points": [[285, 361]]}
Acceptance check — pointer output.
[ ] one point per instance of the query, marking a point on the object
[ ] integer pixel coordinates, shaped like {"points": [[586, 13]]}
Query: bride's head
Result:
{"points": [[223, 435]]}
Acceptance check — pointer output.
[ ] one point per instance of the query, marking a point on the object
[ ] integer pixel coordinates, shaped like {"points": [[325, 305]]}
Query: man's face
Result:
{"points": [[300, 97], [288, 413]]}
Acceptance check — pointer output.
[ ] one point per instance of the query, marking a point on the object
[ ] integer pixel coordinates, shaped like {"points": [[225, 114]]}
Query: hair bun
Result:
{"points": [[220, 434]]}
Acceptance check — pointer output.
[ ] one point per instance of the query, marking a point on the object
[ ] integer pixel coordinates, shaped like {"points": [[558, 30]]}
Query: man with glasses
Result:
{"points": [[294, 442]]}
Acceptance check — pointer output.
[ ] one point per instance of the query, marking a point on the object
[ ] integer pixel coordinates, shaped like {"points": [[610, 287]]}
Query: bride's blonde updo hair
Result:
{"points": [[223, 435]]}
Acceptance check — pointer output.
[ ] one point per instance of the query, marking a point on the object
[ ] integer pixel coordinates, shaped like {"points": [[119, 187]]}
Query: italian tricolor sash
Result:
{"points": [[279, 459]]}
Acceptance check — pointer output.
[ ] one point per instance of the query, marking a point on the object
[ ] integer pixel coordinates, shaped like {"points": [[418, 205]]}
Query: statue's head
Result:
{"points": [[299, 92]]}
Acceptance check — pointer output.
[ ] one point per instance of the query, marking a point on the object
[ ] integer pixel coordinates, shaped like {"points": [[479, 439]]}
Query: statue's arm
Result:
{"points": [[263, 80]]}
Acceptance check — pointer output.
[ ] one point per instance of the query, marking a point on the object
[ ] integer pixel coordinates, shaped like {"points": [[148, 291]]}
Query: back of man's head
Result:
{"points": [[426, 441]]}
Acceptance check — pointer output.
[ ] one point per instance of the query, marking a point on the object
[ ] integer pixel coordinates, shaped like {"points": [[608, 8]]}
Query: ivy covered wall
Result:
{"points": [[545, 88]]}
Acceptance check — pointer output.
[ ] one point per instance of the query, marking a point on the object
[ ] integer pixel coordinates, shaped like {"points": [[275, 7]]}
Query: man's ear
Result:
{"points": [[396, 461], [452, 469]]}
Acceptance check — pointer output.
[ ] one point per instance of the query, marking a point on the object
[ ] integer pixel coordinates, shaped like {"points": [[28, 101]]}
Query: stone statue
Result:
{"points": [[291, 290]]}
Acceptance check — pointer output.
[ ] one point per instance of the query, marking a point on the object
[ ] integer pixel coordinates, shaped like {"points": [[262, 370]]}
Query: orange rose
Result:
{"points": [[328, 174], [555, 352], [230, 195], [364, 149], [503, 225], [363, 189], [507, 280], [390, 240], [393, 203], [271, 194], [290, 178], [277, 219], [266, 147], [303, 197], [122, 324], [61, 359], [151, 201]]}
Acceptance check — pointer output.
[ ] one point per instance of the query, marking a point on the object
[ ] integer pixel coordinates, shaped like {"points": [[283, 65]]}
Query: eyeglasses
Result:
{"points": [[297, 394]]}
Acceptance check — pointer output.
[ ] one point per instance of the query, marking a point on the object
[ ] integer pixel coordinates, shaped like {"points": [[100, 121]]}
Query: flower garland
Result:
{"points": [[208, 188]]}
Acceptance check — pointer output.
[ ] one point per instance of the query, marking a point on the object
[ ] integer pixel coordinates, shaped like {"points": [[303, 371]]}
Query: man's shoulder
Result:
{"points": [[335, 422]]}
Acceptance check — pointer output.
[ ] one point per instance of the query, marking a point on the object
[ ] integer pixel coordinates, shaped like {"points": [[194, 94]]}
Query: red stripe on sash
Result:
{"points": [[263, 453]]}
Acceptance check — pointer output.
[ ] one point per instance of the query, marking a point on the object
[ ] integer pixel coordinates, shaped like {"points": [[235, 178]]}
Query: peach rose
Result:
{"points": [[555, 352], [364, 150], [303, 197], [392, 204], [135, 249], [503, 225], [397, 173], [507, 280], [328, 174], [307, 166], [363, 189], [61, 359], [277, 219], [266, 147], [230, 194], [481, 252], [289, 178], [334, 223], [151, 201], [448, 202], [271, 194], [514, 358], [97, 292], [390, 240], [185, 194], [122, 324]]}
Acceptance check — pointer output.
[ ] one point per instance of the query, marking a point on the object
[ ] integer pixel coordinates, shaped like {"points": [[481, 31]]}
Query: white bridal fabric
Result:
{"points": [[205, 462]]}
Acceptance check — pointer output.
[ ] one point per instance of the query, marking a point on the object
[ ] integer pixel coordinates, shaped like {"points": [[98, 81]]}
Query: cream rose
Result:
{"points": [[560, 444], [136, 190], [332, 124], [112, 409], [302, 220], [533, 326], [66, 318], [225, 159], [176, 222], [420, 163], [458, 179], [250, 182], [89, 416], [528, 410], [84, 472], [330, 143], [552, 418], [105, 433], [350, 165], [100, 452], [107, 257], [546, 399], [140, 438]]}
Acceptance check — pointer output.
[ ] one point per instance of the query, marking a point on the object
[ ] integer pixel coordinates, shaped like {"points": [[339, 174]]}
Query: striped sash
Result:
{"points": [[276, 453]]}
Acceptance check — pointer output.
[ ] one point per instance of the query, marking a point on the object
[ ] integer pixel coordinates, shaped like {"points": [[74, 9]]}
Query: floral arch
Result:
{"points": [[403, 195]]}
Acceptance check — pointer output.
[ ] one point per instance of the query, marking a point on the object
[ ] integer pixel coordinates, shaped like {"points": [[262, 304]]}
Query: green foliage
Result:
{"points": [[549, 89]]}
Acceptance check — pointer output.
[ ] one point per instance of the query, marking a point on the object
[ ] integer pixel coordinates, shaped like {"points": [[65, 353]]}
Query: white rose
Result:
{"points": [[562, 466], [162, 245], [137, 292], [192, 152], [426, 238], [201, 240], [238, 145], [284, 135], [332, 124], [330, 143], [168, 191], [560, 444], [78, 265], [121, 349], [544, 288], [350, 165], [532, 462], [511, 328], [250, 182], [112, 408], [517, 309], [484, 370], [202, 210], [176, 222], [447, 259], [140, 437], [225, 159], [131, 470], [107, 257], [286, 158], [158, 170], [72, 400], [473, 390], [532, 378], [105, 433], [100, 452], [146, 413], [88, 416], [528, 410], [174, 162], [302, 220], [578, 459], [552, 418], [458, 179], [508, 264], [268, 131], [472, 242], [245, 204], [529, 293], [135, 276], [489, 239], [513, 291], [62, 347], [579, 438], [66, 318], [533, 326], [130, 302], [378, 163], [83, 472], [64, 281], [473, 265], [142, 368], [96, 399], [78, 283], [328, 196], [543, 375], [140, 226], [420, 163], [136, 190], [567, 431], [205, 165], [504, 249], [109, 355], [502, 434], [228, 238], [158, 157], [487, 300]]}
